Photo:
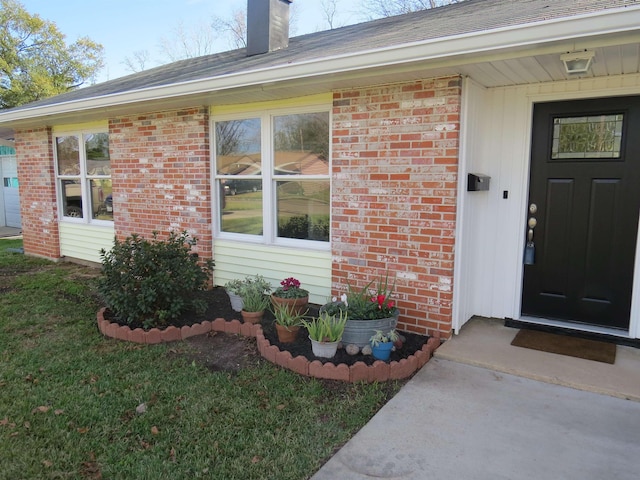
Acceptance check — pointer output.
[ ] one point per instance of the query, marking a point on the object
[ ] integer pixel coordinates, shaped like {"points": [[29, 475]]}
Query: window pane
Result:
{"points": [[303, 209], [101, 199], [68, 155], [301, 144], [97, 150], [11, 182], [238, 147], [598, 136], [242, 207], [71, 198]]}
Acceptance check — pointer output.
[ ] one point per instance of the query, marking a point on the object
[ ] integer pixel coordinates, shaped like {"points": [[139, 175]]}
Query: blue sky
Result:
{"points": [[126, 26]]}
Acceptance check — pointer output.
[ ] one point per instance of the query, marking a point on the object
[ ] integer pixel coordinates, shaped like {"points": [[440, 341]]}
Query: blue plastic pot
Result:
{"points": [[382, 351]]}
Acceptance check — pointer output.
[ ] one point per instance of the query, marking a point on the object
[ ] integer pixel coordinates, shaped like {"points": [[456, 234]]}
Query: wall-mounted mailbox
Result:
{"points": [[477, 182]]}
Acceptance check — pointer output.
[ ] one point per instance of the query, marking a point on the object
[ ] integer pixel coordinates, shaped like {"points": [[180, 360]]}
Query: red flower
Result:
{"points": [[380, 299], [290, 282]]}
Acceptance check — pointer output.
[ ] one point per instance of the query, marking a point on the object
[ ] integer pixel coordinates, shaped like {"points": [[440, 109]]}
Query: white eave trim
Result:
{"points": [[615, 21]]}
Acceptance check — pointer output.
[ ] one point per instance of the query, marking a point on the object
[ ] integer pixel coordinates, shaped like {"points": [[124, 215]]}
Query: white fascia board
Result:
{"points": [[615, 21]]}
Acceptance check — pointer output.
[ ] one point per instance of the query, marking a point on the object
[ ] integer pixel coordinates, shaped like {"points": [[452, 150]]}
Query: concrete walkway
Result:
{"points": [[456, 420], [8, 232]]}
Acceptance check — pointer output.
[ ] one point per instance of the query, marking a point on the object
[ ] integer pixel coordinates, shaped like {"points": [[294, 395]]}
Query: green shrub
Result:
{"points": [[303, 227], [153, 282]]}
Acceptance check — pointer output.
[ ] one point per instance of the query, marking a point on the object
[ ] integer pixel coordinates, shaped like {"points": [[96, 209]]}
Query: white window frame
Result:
{"points": [[269, 201], [85, 179]]}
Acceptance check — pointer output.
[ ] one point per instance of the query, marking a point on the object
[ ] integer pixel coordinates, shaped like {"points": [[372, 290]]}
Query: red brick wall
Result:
{"points": [[395, 168], [38, 208], [161, 175]]}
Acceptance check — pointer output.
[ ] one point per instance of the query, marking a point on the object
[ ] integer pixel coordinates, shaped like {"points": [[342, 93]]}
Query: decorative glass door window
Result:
{"points": [[598, 136]]}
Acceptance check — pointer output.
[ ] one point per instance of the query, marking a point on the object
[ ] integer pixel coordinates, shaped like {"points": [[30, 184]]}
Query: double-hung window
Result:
{"points": [[273, 177], [83, 172]]}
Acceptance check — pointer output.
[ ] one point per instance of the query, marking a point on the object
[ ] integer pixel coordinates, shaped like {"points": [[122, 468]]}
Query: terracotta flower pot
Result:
{"points": [[287, 334], [300, 305], [252, 317]]}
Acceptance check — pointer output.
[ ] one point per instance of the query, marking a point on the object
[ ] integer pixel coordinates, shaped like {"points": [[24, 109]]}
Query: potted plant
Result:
{"points": [[290, 293], [233, 289], [236, 287], [382, 344], [368, 310], [254, 293], [288, 322], [325, 332]]}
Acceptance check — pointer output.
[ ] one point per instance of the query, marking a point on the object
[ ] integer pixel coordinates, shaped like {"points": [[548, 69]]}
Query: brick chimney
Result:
{"points": [[267, 25]]}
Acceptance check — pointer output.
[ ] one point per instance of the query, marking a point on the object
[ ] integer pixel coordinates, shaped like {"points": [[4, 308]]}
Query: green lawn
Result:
{"points": [[68, 397]]}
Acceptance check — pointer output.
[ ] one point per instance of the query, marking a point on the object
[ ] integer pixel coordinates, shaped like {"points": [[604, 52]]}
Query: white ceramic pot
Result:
{"points": [[324, 349]]}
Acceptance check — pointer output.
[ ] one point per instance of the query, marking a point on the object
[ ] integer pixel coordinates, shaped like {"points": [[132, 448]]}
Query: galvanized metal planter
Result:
{"points": [[358, 332]]}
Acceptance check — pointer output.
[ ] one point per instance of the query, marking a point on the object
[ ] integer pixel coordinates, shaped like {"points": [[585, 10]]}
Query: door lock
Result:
{"points": [[530, 247]]}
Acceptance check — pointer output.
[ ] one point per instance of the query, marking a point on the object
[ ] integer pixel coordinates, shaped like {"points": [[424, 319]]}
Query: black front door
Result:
{"points": [[584, 194]]}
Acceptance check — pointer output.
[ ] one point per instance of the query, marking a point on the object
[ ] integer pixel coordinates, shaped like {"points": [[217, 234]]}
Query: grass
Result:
{"points": [[68, 397]]}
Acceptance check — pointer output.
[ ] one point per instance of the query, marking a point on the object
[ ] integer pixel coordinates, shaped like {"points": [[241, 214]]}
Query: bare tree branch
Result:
{"points": [[195, 41], [388, 8], [235, 28], [329, 11], [138, 61]]}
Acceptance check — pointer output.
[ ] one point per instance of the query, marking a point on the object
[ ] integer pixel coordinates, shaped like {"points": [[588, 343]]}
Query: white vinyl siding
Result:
{"points": [[84, 242], [311, 267]]}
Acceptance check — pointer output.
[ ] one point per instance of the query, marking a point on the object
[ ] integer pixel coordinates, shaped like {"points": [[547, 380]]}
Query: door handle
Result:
{"points": [[530, 247]]}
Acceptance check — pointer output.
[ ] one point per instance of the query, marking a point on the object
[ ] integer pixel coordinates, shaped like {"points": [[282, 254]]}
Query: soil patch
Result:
{"points": [[221, 351]]}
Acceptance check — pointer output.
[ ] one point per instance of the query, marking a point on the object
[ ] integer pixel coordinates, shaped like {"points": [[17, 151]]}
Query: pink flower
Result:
{"points": [[290, 282]]}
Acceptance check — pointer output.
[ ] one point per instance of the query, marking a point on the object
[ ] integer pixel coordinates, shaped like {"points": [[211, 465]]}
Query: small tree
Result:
{"points": [[153, 282], [35, 61]]}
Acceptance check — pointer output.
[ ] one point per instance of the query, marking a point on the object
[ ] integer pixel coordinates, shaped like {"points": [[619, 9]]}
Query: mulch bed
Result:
{"points": [[219, 306]]}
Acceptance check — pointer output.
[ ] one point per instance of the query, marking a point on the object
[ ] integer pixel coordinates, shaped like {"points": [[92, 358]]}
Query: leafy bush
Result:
{"points": [[250, 283], [302, 227], [153, 282]]}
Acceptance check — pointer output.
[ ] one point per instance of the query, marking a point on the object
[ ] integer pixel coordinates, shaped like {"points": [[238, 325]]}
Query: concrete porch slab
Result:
{"points": [[486, 343]]}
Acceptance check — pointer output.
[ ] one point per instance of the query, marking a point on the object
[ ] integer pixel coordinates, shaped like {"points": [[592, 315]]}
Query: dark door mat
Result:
{"points": [[566, 345], [601, 337]]}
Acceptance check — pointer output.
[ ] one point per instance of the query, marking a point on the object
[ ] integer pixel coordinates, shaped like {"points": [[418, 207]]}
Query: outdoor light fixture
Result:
{"points": [[577, 62]]}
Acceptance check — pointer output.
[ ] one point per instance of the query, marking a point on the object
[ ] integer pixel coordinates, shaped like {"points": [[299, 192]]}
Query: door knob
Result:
{"points": [[530, 247]]}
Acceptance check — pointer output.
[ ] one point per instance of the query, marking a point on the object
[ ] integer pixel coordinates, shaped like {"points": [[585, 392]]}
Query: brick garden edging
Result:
{"points": [[358, 372]]}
